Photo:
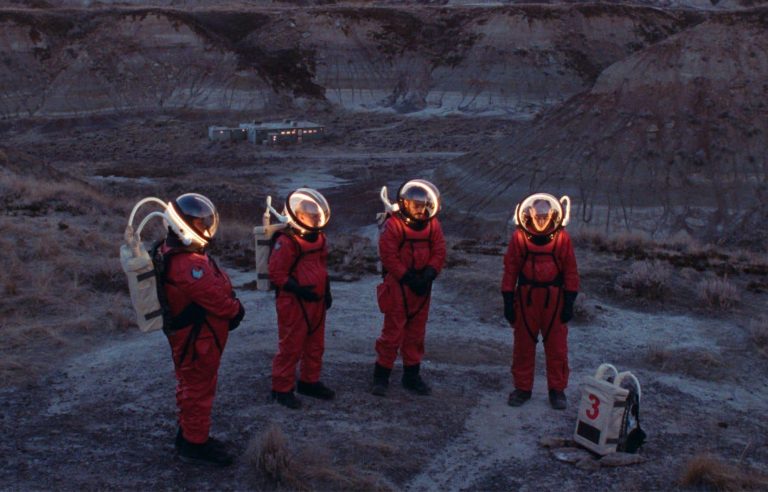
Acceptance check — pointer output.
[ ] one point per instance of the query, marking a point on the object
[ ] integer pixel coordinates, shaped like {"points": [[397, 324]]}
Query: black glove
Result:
{"points": [[328, 296], [569, 298], [415, 282], [193, 314], [304, 292], [235, 322], [410, 278], [509, 306], [424, 284]]}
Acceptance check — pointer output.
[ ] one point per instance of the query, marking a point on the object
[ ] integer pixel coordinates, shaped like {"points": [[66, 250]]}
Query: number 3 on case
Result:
{"points": [[593, 412]]}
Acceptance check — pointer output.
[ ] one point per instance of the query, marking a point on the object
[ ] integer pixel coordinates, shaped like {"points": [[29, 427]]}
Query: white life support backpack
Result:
{"points": [[381, 217], [264, 237], [139, 267], [609, 412]]}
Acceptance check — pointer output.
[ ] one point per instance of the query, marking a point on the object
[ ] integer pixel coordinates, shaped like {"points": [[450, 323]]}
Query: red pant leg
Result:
{"points": [[523, 357], [556, 350], [292, 331], [196, 379], [412, 348], [391, 339], [312, 357]]}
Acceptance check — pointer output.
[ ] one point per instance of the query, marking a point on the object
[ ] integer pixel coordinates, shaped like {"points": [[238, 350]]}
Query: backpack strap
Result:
{"points": [[302, 254], [558, 282]]}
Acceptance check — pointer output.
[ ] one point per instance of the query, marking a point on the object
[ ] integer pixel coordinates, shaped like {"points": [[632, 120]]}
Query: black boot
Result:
{"points": [[557, 399], [518, 397], [315, 390], [212, 453], [179, 439], [413, 382], [286, 399], [380, 380]]}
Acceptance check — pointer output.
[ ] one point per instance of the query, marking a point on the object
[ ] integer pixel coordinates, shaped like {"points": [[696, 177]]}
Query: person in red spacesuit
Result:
{"points": [[297, 268], [539, 287], [203, 309], [412, 251]]}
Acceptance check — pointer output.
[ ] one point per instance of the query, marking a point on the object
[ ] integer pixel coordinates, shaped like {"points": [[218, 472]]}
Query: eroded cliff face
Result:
{"points": [[671, 138], [503, 60], [647, 117]]}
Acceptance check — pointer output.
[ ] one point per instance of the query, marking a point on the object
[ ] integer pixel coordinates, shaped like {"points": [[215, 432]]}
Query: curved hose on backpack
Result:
{"points": [[627, 374], [603, 367]]}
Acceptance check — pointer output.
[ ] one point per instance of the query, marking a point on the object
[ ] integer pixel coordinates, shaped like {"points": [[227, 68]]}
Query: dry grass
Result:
{"points": [[706, 472], [645, 279], [351, 255], [312, 469], [271, 456], [61, 276], [758, 331], [718, 293], [584, 309], [693, 361], [234, 243]]}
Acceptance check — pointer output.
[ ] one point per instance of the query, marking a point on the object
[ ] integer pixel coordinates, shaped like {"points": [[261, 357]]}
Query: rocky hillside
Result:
{"points": [[511, 60], [648, 117], [676, 131]]}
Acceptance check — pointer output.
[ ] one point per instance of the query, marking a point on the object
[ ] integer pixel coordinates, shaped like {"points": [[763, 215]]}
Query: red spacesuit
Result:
{"points": [[412, 251], [204, 309], [297, 267], [539, 286]]}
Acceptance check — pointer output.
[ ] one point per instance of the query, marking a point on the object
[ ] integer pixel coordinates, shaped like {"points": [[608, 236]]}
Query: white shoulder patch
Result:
{"points": [[197, 273]]}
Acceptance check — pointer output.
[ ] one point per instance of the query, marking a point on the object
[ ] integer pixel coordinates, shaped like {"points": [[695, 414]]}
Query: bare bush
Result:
{"points": [[693, 361], [312, 469], [758, 331], [56, 265], [271, 455], [646, 279], [316, 467], [624, 242], [718, 293], [683, 242], [352, 255], [711, 473], [584, 309]]}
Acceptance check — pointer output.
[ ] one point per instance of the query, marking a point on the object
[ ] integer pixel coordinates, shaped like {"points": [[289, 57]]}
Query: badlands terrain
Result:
{"points": [[650, 115]]}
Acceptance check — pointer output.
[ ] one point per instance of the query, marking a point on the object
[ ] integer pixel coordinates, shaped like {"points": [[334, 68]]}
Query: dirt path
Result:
{"points": [[106, 419]]}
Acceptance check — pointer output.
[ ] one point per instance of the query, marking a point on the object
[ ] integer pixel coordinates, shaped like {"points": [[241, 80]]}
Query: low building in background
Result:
{"points": [[283, 132], [226, 134]]}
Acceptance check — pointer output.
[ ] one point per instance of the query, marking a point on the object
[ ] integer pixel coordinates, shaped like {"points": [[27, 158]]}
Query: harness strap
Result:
{"points": [[558, 282], [301, 255], [194, 334]]}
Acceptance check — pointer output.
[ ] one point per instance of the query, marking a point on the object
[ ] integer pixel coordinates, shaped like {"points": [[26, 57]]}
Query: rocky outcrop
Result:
{"points": [[511, 60], [670, 137]]}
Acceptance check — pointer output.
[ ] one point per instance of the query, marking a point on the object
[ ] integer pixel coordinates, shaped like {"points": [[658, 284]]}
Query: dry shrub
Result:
{"points": [[718, 293], [234, 243], [646, 279], [693, 361], [352, 255], [317, 471], [312, 469], [35, 197], [271, 456], [758, 331], [584, 309], [631, 242], [683, 242], [61, 272], [708, 472], [624, 242]]}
